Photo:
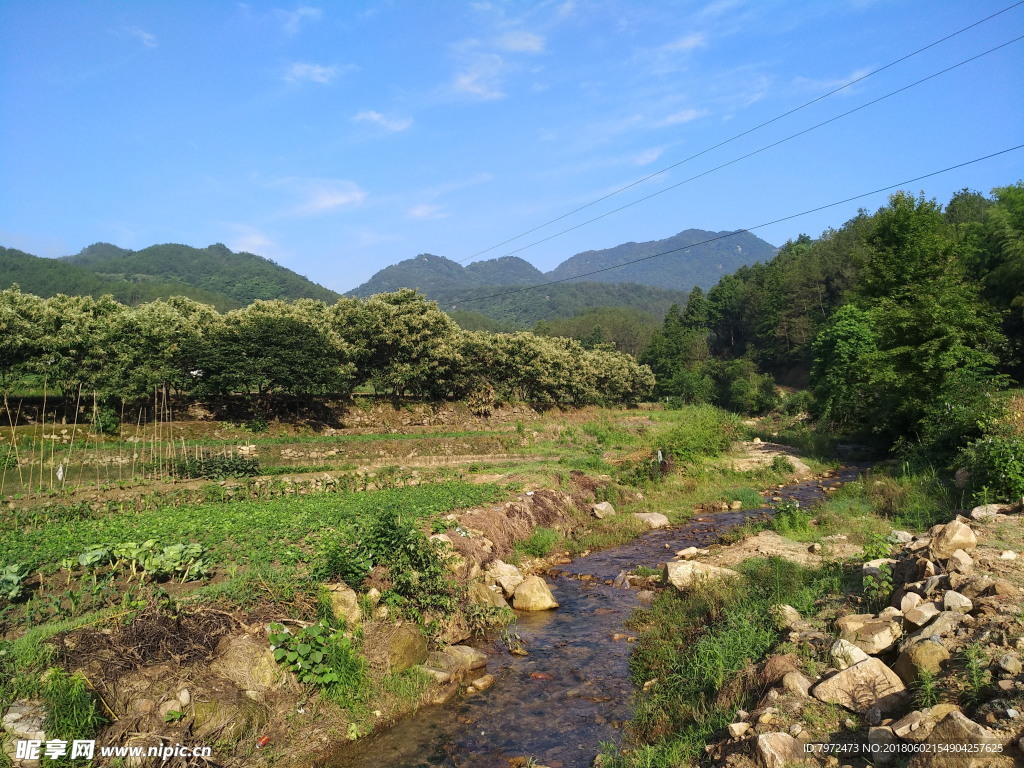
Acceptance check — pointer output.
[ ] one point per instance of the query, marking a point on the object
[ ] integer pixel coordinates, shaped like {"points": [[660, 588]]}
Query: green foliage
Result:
{"points": [[71, 711], [925, 689], [184, 560], [106, 421], [322, 656], [996, 463], [974, 665], [11, 581], [790, 520], [541, 543], [216, 467], [705, 431]]}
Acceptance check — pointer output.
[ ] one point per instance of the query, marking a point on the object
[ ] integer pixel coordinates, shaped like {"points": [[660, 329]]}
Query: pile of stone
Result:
{"points": [[939, 604]]}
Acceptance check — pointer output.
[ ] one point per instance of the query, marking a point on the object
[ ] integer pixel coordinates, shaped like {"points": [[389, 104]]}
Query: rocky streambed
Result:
{"points": [[572, 689]]}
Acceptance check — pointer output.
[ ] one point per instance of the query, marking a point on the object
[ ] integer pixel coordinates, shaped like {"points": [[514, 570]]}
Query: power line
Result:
{"points": [[764, 148], [748, 229], [744, 133]]}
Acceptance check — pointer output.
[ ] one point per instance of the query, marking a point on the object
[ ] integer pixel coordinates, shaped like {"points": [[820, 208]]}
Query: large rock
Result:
{"points": [[922, 614], [870, 633], [23, 721], [942, 625], [602, 510], [970, 746], [481, 594], [863, 686], [778, 750], [533, 595], [344, 603], [951, 537], [653, 519], [457, 658], [506, 576], [406, 647], [248, 662], [928, 654], [685, 574], [845, 654]]}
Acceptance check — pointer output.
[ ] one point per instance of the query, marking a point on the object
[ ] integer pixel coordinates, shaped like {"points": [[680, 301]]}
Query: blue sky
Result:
{"points": [[338, 138]]}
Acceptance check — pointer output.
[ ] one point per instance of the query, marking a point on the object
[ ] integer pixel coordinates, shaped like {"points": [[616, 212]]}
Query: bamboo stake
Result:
{"points": [[74, 431]]}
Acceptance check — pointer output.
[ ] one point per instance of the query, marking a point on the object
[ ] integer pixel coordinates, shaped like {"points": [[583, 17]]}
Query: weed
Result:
{"points": [[790, 520], [71, 710], [322, 656], [925, 689], [975, 672], [541, 543]]}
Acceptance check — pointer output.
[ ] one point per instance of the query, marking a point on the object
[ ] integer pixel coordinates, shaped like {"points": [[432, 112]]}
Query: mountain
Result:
{"points": [[432, 274], [695, 257], [698, 258], [47, 277], [242, 277]]}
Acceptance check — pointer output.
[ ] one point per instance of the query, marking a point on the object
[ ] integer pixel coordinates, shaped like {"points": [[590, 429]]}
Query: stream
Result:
{"points": [[573, 691]]}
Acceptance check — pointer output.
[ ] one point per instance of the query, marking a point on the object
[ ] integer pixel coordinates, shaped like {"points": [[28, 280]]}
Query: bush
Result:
{"points": [[790, 520], [540, 543], [706, 431], [996, 463], [798, 402]]}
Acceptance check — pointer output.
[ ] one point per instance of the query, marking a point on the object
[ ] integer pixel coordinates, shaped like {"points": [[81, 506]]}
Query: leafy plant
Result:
{"points": [[322, 656], [11, 578], [216, 467], [996, 463], [791, 520], [925, 689], [975, 671]]}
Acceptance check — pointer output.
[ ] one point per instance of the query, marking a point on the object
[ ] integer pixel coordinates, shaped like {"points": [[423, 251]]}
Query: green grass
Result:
{"points": [[274, 531], [541, 543], [695, 643]]}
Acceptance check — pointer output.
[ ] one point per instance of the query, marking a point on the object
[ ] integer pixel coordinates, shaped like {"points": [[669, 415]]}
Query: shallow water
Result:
{"points": [[573, 690]]}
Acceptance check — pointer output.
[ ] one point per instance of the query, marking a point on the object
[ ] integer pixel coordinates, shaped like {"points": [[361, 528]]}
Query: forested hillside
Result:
{"points": [[242, 277], [48, 277], [902, 322]]}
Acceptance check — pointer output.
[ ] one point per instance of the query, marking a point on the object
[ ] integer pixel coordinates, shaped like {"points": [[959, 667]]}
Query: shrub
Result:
{"points": [[790, 520], [540, 543], [996, 463], [706, 431]]}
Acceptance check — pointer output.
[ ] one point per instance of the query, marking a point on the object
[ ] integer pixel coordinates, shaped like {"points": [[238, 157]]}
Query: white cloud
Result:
{"points": [[824, 84], [648, 156], [482, 78], [144, 37], [301, 72], [323, 195], [680, 117], [392, 124], [251, 240], [426, 211], [292, 21], [687, 43], [521, 42]]}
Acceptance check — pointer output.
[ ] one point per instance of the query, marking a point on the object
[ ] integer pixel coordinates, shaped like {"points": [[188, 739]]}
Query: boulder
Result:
{"points": [[685, 574], [845, 654], [863, 686], [988, 511], [960, 562], [533, 594], [602, 510], [942, 625], [922, 614], [248, 662], [928, 654], [738, 729], [1010, 664], [406, 647], [954, 601], [970, 746], [797, 683], [871, 634], [23, 720], [457, 658], [778, 750], [344, 603], [653, 519], [951, 537], [909, 601], [506, 576], [785, 616], [881, 739], [481, 594]]}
